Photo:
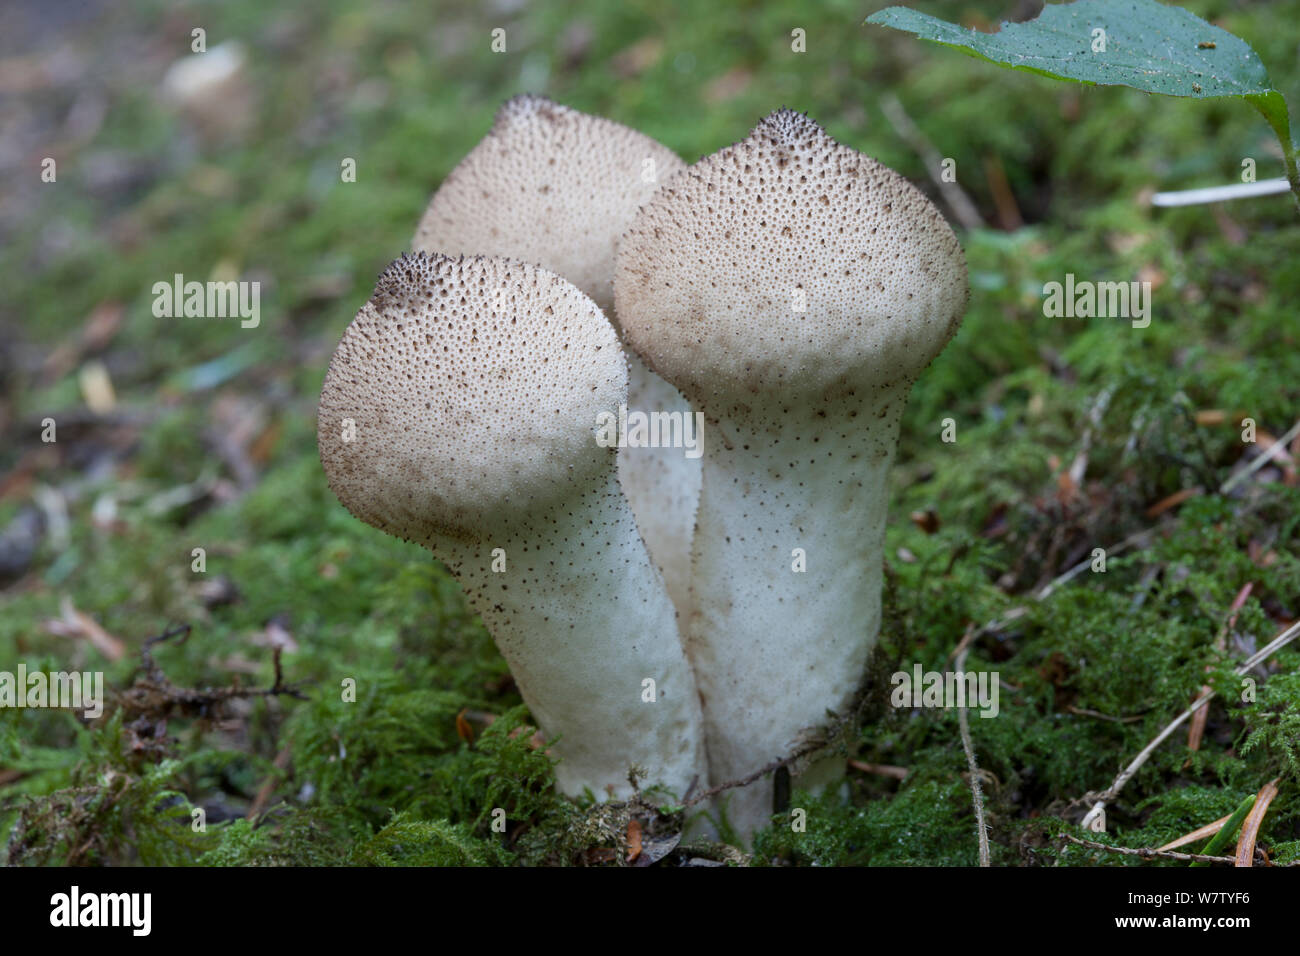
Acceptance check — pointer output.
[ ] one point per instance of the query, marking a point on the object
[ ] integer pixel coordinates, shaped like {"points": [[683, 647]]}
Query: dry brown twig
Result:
{"points": [[1250, 826]]}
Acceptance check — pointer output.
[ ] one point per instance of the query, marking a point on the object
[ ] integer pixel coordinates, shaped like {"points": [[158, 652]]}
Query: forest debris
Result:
{"points": [[599, 854], [728, 86], [276, 634], [1009, 218], [1197, 729], [881, 769], [239, 436], [463, 729], [932, 159], [218, 591], [1250, 826], [1198, 834], [1099, 807], [927, 520], [639, 57], [54, 510], [101, 325], [1148, 853], [633, 839], [97, 387], [1084, 712], [182, 495], [1172, 501], [154, 697], [1266, 455], [268, 785], [977, 794], [654, 849], [75, 624]]}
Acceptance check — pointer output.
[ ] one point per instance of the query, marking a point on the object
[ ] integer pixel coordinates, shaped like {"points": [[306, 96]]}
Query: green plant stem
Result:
{"points": [[1220, 839]]}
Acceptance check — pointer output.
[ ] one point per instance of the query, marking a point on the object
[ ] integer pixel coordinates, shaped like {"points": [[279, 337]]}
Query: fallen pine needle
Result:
{"points": [[1206, 831], [880, 769], [1267, 455], [633, 839], [1250, 828]]}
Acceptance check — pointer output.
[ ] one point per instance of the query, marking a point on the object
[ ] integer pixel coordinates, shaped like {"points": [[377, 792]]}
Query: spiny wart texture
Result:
{"points": [[474, 384], [549, 185], [788, 262], [555, 186]]}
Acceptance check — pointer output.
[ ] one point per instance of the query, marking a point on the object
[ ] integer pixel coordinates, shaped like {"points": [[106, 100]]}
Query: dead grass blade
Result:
{"points": [[1250, 826]]}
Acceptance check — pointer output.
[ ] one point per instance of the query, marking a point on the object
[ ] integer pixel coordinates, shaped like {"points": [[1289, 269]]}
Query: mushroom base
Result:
{"points": [[583, 619]]}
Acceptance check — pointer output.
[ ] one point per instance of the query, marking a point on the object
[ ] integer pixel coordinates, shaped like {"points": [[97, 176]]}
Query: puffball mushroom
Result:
{"points": [[459, 412], [793, 289], [557, 187]]}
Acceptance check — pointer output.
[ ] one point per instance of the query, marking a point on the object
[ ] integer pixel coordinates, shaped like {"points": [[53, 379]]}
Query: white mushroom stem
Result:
{"points": [[793, 289], [555, 186], [780, 651], [582, 618], [460, 411], [662, 484]]}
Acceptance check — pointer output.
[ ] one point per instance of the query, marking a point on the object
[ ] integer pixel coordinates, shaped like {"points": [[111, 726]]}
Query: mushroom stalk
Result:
{"points": [[786, 572], [592, 578], [460, 412], [793, 289]]}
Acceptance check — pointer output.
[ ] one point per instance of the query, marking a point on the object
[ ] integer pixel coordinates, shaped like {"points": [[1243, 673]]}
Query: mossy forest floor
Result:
{"points": [[1071, 435]]}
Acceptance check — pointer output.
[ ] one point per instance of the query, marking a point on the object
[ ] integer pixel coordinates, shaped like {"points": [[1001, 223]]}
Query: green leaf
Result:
{"points": [[1148, 46]]}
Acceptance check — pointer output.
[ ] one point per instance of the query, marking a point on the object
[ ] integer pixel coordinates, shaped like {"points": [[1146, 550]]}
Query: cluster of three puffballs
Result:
{"points": [[787, 287]]}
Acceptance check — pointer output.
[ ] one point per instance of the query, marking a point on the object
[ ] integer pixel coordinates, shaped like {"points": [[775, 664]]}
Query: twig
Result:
{"points": [[1084, 712], [268, 785], [1264, 458], [1196, 731], [881, 769], [1286, 637], [767, 768], [1209, 194], [1148, 853], [977, 794], [1135, 538], [953, 194]]}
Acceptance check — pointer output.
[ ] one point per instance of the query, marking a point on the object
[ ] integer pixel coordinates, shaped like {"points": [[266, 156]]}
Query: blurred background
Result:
{"points": [[127, 158]]}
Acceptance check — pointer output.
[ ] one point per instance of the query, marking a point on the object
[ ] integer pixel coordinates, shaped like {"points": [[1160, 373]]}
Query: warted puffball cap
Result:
{"points": [[474, 385], [551, 185], [789, 261]]}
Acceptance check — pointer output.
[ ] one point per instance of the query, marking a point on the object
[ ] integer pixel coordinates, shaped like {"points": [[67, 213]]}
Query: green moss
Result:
{"points": [[1088, 675]]}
